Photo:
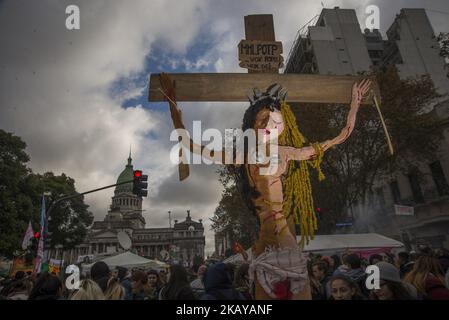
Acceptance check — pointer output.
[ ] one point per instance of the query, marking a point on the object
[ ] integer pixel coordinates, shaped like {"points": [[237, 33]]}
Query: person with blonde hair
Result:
{"points": [[89, 290], [114, 290], [427, 277]]}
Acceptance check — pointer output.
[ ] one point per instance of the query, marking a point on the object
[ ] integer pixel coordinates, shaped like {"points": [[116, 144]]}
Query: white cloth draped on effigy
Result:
{"points": [[282, 273]]}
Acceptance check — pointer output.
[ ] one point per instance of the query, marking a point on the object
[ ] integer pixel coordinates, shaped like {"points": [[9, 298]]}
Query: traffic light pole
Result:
{"points": [[55, 202]]}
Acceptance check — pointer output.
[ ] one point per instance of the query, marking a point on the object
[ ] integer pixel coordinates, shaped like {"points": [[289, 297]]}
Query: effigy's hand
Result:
{"points": [[168, 88], [359, 90]]}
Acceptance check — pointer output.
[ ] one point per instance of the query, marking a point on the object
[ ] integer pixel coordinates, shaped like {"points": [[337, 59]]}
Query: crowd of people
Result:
{"points": [[407, 276]]}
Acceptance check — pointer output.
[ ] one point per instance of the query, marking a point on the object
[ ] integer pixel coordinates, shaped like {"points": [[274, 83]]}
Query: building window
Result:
{"points": [[395, 192], [439, 178], [416, 188]]}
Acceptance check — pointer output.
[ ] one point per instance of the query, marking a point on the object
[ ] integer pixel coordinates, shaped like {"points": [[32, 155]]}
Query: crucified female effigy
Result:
{"points": [[282, 198]]}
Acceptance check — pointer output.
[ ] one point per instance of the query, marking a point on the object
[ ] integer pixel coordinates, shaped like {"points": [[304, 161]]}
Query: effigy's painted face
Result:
{"points": [[271, 123]]}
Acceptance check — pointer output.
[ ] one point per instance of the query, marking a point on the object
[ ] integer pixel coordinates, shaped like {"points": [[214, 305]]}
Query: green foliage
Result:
{"points": [[20, 200]]}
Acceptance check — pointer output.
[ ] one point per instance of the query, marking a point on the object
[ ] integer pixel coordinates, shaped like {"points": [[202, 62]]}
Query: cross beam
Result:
{"points": [[233, 87]]}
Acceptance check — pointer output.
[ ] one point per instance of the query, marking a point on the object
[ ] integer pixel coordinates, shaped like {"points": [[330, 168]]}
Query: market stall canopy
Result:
{"points": [[364, 242], [351, 241], [130, 260]]}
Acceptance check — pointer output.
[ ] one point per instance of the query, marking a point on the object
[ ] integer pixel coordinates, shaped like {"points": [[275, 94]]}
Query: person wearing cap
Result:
{"points": [[391, 287]]}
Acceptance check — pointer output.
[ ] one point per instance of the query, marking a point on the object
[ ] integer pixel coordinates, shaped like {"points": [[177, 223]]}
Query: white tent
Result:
{"points": [[337, 243], [130, 260]]}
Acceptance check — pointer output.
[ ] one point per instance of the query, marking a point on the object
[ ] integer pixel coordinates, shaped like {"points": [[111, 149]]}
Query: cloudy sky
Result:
{"points": [[78, 98]]}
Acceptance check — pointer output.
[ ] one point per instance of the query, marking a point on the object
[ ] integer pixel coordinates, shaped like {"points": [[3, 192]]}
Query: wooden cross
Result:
{"points": [[229, 87]]}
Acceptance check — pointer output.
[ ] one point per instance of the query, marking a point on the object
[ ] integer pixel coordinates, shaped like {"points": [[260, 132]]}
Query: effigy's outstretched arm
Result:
{"points": [[359, 90], [169, 92]]}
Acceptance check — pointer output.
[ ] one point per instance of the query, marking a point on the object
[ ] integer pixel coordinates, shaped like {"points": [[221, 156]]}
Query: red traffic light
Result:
{"points": [[137, 173], [36, 235]]}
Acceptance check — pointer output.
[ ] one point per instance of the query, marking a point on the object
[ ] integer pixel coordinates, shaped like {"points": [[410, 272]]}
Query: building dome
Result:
{"points": [[126, 175]]}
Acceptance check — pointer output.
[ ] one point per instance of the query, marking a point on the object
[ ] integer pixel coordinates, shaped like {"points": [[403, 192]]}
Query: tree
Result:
{"points": [[70, 219], [233, 216], [16, 207], [20, 200]]}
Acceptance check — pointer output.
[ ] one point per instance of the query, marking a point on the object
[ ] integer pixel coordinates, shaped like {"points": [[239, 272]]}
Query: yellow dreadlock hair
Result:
{"points": [[296, 185]]}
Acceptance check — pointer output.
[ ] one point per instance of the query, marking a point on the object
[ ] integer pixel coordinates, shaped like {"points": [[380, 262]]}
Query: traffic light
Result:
{"points": [[140, 184]]}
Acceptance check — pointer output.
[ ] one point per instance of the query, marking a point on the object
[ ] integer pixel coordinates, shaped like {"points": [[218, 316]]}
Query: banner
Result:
{"points": [[404, 210], [54, 266]]}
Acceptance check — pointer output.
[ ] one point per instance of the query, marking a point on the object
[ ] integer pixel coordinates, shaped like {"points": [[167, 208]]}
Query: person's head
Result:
{"points": [[422, 267], [217, 276], [413, 256], [177, 274], [122, 272], [390, 286], [388, 258], [336, 261], [99, 270], [163, 276], [353, 261], [47, 286], [114, 291], [138, 280], [403, 257], [328, 261], [201, 271], [319, 270], [264, 113], [343, 288], [88, 290], [100, 273], [19, 275], [153, 278], [375, 258], [177, 279]]}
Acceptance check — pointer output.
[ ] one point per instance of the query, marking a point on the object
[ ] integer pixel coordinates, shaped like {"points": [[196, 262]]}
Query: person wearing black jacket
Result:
{"points": [[218, 284], [178, 286]]}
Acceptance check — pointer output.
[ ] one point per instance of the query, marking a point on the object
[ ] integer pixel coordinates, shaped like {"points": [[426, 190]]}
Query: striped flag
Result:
{"points": [[40, 246], [29, 234]]}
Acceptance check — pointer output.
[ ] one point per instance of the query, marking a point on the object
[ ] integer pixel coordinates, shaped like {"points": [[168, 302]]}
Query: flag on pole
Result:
{"points": [[40, 246], [29, 234]]}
